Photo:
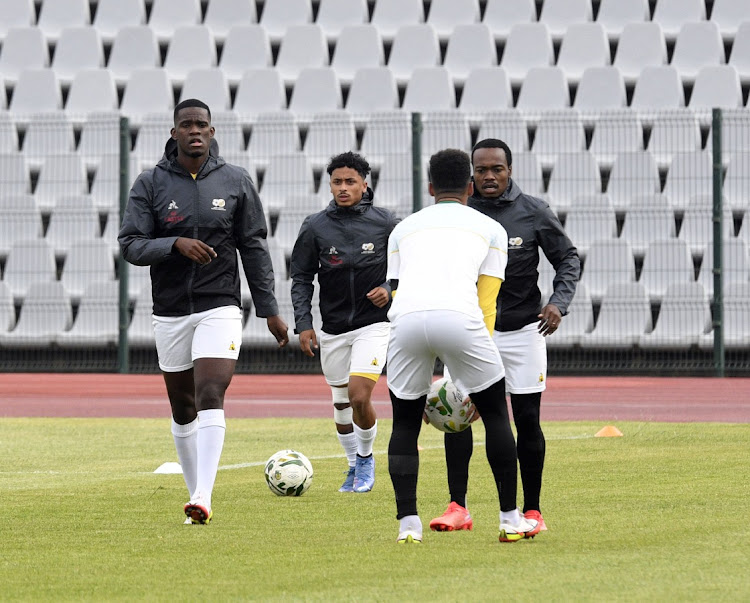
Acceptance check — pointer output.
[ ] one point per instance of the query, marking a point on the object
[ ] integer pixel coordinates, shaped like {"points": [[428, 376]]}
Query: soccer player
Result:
{"points": [[522, 323], [345, 245], [447, 262], [186, 218]]}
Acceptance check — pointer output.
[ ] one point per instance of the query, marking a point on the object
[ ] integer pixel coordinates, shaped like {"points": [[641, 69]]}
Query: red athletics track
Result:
{"points": [[566, 398]]}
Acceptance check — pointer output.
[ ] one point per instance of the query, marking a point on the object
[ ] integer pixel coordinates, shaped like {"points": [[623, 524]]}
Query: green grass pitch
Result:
{"points": [[657, 515]]}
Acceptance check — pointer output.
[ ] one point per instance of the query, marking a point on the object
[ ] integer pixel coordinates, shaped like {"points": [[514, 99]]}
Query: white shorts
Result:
{"points": [[215, 333], [460, 341], [524, 354], [361, 351]]}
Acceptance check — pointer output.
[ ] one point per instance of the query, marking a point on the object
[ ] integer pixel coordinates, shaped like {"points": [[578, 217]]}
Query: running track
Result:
{"points": [[566, 399]]}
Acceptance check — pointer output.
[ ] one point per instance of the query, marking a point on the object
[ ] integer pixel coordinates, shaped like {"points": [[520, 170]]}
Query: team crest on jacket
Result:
{"points": [[368, 248], [173, 205], [218, 205], [334, 258], [515, 242]]}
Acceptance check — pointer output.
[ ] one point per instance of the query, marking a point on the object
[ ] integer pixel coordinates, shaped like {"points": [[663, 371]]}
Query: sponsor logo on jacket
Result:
{"points": [[218, 205], [515, 242], [368, 248]]}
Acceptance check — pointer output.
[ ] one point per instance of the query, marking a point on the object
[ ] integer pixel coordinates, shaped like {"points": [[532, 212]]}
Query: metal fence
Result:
{"points": [[657, 204]]}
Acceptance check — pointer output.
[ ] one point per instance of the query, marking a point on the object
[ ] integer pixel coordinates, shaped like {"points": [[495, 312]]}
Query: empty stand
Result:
{"points": [[608, 262], [389, 15], [223, 15], [373, 89], [7, 309], [317, 90], [246, 48], [113, 15], [24, 48], [735, 265], [646, 223], [73, 219], [508, 126], [556, 134], [614, 15], [414, 46], [329, 134], [740, 57], [147, 91], [16, 13], [21, 221], [600, 89], [641, 45], [228, 131], [14, 175], [260, 90], [273, 134], [190, 47], [97, 320], [446, 15], [672, 15], [285, 176], [279, 16], [60, 176], [91, 91], [616, 132], [141, 330], [529, 45], [665, 262], [577, 322], [543, 89], [486, 89], [429, 89], [78, 48], [560, 15], [28, 262], [674, 133], [574, 175], [301, 46], [36, 91], [729, 15], [684, 317], [527, 172], [357, 47], [698, 45], [697, 228], [168, 15], [336, 15], [737, 181], [584, 45], [470, 47], [444, 130], [716, 86], [394, 180], [55, 16], [45, 314], [690, 174], [657, 88], [134, 48], [736, 318], [152, 136], [386, 133], [501, 15], [48, 135], [624, 316], [584, 225], [87, 261], [210, 85]]}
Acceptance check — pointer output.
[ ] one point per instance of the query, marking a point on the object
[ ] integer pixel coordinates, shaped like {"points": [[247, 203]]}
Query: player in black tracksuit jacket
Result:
{"points": [[523, 320], [346, 246]]}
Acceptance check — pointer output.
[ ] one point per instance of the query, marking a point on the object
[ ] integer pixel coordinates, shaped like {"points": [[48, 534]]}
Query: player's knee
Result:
{"points": [[211, 394]]}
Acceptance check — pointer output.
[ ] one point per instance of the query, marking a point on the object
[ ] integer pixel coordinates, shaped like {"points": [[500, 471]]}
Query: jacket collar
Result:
{"points": [[169, 159], [359, 208], [510, 194]]}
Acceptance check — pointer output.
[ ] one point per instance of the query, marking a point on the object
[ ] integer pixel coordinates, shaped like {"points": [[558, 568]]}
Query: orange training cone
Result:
{"points": [[608, 431]]}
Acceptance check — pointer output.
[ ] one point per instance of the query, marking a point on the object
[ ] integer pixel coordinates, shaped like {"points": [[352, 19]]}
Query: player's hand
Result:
{"points": [[278, 329], [425, 418], [308, 342], [475, 416], [549, 319], [195, 250], [378, 296]]}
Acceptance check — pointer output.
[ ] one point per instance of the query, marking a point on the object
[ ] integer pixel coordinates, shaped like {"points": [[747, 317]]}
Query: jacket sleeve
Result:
{"points": [[304, 267], [137, 237], [563, 256], [393, 220], [250, 237]]}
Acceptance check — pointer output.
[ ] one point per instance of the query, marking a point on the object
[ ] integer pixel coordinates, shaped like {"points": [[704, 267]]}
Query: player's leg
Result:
{"points": [[458, 450]]}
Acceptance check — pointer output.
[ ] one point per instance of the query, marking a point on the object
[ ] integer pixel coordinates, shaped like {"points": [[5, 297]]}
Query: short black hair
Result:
{"points": [[351, 160], [450, 171], [493, 143], [190, 102]]}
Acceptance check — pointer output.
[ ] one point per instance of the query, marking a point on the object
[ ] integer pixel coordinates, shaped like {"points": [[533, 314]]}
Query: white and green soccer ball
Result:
{"points": [[288, 473], [447, 408]]}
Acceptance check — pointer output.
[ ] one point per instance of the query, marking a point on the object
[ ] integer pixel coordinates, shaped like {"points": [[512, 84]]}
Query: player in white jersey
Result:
{"points": [[447, 262]]}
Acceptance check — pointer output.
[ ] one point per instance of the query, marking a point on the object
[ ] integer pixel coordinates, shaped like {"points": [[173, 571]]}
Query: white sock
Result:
{"points": [[365, 439], [211, 430], [186, 443], [411, 523], [512, 517], [349, 444]]}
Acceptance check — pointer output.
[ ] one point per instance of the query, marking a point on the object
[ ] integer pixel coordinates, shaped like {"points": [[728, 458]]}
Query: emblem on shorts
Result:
{"points": [[515, 242], [218, 204], [232, 346], [368, 248], [541, 378], [375, 362]]}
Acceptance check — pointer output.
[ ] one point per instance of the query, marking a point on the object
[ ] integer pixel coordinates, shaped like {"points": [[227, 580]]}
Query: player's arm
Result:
{"points": [[304, 266], [488, 288], [563, 255]]}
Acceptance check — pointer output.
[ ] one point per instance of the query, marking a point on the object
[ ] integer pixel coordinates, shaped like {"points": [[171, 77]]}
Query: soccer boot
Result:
{"points": [[364, 474], [409, 537], [532, 514], [455, 517], [348, 485], [198, 511], [525, 528]]}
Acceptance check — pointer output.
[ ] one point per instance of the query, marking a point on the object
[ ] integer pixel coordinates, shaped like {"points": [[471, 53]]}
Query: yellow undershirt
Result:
{"points": [[488, 288]]}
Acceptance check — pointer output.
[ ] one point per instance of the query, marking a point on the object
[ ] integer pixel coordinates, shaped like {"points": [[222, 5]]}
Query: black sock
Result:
{"points": [[403, 457], [531, 446], [500, 446], [458, 449]]}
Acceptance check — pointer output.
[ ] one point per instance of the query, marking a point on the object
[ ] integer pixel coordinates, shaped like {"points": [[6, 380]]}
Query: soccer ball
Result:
{"points": [[288, 473], [446, 409]]}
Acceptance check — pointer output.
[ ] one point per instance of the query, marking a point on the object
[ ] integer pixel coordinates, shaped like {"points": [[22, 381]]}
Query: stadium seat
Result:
{"points": [[646, 223], [624, 316], [91, 91], [112, 230], [735, 133], [336, 15], [429, 89], [3, 99], [729, 16], [608, 262], [600, 89], [444, 130], [447, 15], [672, 15], [641, 45], [386, 133], [736, 319], [55, 16], [167, 16], [545, 278], [260, 90], [614, 15], [243, 160], [16, 13], [302, 46], [273, 134], [190, 47], [690, 174], [697, 228], [740, 57], [486, 89], [114, 15], [357, 47], [86, 262], [413, 46], [574, 174], [527, 172], [7, 309], [557, 134], [223, 15], [543, 89], [22, 221], [389, 15], [744, 231], [674, 132], [698, 45], [584, 225], [151, 138], [147, 91], [77, 49], [97, 321], [141, 329], [616, 132], [60, 176], [72, 219], [285, 176], [8, 133], [470, 47], [501, 15], [559, 15], [737, 181], [246, 48], [316, 90], [735, 266], [597, 202], [279, 15], [578, 321], [24, 48], [529, 45], [36, 91], [28, 262], [373, 90], [394, 179], [684, 317], [665, 262], [46, 136], [210, 85], [15, 178], [134, 48], [657, 88], [716, 86], [584, 45], [46, 312], [287, 229], [329, 134], [228, 131]]}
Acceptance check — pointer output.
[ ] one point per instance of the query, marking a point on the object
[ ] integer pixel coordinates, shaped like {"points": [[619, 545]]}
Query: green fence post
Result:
{"points": [[123, 361], [718, 242], [416, 161]]}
